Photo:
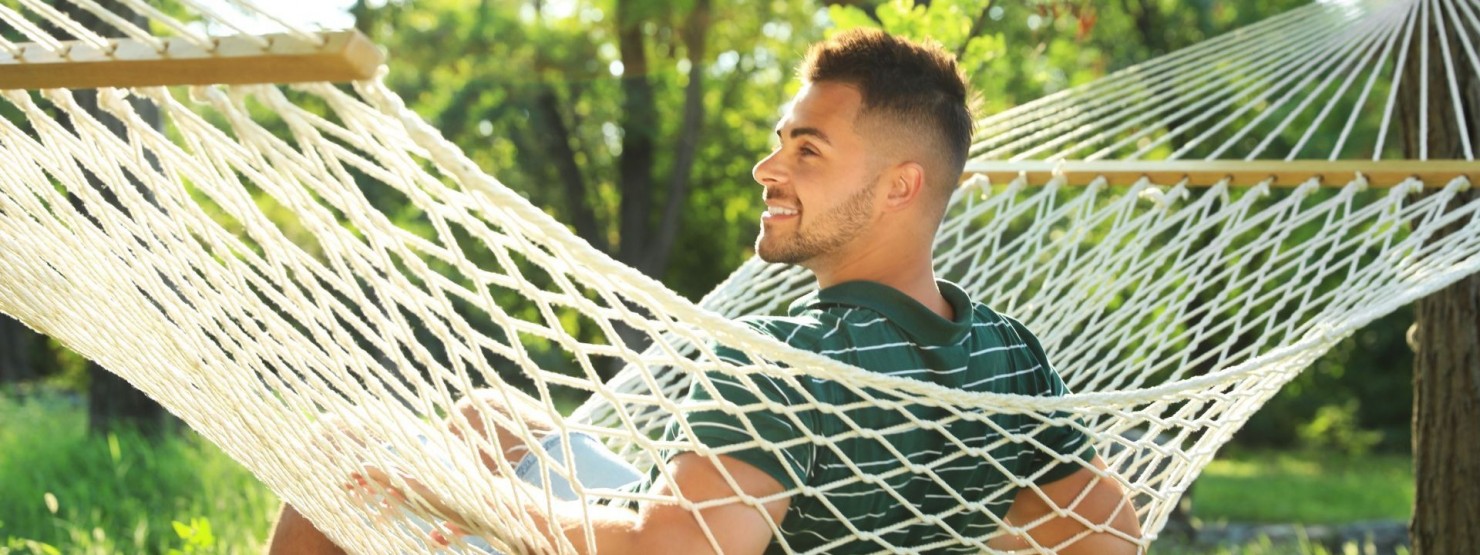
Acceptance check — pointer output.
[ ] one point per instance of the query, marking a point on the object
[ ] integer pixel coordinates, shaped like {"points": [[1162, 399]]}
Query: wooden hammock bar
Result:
{"points": [[1202, 173], [234, 60]]}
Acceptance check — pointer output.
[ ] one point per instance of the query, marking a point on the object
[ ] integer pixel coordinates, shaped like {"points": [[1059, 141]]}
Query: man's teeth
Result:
{"points": [[779, 211]]}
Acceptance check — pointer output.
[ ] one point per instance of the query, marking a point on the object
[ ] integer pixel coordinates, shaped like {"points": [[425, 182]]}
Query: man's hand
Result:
{"points": [[736, 528], [372, 479], [420, 496]]}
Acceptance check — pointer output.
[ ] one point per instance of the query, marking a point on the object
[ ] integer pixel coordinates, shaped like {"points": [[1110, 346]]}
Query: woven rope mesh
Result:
{"points": [[238, 264]]}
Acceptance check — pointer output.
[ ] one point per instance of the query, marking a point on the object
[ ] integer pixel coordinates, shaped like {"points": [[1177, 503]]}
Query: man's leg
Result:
{"points": [[487, 406], [295, 535]]}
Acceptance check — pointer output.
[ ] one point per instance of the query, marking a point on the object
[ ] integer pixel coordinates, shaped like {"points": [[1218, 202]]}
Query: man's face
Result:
{"points": [[819, 182]]}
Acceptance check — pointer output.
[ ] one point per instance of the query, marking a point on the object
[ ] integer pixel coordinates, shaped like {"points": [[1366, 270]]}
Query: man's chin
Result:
{"points": [[778, 256], [784, 259]]}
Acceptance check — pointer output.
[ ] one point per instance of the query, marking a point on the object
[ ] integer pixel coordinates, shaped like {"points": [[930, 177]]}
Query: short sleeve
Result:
{"points": [[1065, 440], [741, 425]]}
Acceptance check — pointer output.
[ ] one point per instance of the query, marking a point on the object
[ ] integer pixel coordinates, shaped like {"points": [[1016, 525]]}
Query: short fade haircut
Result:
{"points": [[913, 84]]}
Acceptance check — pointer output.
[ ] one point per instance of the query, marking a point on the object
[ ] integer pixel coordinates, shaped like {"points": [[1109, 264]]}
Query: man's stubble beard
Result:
{"points": [[828, 232]]}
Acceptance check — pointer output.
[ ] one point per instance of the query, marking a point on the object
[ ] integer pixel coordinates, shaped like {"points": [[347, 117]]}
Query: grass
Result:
{"points": [[63, 491], [1266, 547], [1304, 487]]}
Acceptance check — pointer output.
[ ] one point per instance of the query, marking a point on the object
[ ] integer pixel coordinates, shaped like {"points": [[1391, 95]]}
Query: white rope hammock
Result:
{"points": [[238, 266]]}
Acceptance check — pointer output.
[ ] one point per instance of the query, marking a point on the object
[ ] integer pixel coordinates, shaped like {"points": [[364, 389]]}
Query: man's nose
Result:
{"points": [[768, 170]]}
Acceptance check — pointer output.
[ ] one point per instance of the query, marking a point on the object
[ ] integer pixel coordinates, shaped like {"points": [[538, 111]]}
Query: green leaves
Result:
{"points": [[15, 545], [197, 536], [845, 17]]}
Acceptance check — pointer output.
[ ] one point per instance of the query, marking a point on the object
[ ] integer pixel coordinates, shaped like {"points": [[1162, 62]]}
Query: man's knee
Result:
{"points": [[334, 434], [503, 420], [474, 412], [484, 407]]}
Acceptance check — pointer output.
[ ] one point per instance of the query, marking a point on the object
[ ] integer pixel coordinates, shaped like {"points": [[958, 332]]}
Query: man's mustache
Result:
{"points": [[774, 194]]}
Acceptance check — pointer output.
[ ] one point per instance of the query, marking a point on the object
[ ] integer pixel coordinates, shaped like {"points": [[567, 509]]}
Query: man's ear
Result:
{"points": [[906, 182]]}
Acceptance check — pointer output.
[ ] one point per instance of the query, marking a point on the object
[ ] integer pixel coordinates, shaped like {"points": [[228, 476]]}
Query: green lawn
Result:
{"points": [[62, 491], [1304, 487]]}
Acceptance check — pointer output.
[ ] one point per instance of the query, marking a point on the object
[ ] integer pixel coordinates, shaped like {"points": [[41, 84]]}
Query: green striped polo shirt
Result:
{"points": [[911, 478]]}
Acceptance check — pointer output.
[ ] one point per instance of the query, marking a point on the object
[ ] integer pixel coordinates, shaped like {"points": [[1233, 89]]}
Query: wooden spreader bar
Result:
{"points": [[343, 56], [1201, 173]]}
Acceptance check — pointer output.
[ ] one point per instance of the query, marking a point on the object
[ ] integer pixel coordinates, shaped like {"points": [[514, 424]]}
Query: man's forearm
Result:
{"points": [[613, 530]]}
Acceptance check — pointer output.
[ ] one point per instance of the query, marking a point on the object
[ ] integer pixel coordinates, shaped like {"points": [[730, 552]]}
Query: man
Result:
{"points": [[869, 153]]}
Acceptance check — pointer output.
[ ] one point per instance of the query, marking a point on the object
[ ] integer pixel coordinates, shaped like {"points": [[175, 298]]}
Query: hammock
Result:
{"points": [[237, 264]]}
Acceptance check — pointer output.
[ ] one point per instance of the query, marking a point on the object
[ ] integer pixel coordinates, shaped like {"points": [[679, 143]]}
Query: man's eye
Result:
{"points": [[808, 151]]}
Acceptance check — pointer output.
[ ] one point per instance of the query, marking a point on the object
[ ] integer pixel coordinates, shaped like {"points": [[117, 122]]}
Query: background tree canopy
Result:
{"points": [[637, 122]]}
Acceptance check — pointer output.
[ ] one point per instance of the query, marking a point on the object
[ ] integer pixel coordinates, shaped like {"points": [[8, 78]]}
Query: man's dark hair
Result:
{"points": [[913, 84]]}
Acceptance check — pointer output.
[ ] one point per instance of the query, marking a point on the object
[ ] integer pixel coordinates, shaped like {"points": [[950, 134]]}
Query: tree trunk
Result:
{"points": [[1446, 373], [1446, 421], [112, 401], [696, 32], [18, 349], [639, 121]]}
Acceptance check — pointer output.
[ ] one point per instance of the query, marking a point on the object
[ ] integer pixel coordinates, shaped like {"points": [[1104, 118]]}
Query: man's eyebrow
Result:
{"points": [[809, 131]]}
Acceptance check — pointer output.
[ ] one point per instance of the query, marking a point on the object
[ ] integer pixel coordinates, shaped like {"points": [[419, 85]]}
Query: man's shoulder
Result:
{"points": [[815, 327], [984, 316]]}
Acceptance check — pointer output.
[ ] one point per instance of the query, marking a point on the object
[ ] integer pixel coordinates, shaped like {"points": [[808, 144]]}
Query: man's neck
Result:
{"points": [[912, 275]]}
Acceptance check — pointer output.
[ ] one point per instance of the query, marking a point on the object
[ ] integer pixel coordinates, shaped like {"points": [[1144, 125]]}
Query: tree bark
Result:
{"points": [[639, 123], [554, 136], [18, 349], [1147, 19], [695, 34], [1446, 421], [112, 401], [1446, 373], [556, 140]]}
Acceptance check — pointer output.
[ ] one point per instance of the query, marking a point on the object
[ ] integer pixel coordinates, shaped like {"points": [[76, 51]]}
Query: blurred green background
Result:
{"points": [[636, 123]]}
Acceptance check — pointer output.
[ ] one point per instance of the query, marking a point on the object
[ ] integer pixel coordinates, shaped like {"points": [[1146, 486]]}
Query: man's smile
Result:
{"points": [[777, 212]]}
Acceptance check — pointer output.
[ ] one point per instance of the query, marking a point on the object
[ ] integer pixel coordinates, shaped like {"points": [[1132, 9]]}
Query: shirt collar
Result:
{"points": [[925, 326]]}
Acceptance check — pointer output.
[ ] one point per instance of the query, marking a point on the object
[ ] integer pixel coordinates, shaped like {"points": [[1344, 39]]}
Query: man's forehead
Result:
{"points": [[823, 106]]}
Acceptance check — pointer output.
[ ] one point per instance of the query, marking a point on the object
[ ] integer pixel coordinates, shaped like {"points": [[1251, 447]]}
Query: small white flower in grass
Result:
{"points": [[51, 502]]}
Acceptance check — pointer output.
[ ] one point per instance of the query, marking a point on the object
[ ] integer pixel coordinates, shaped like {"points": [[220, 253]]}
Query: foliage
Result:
{"points": [[1367, 377], [584, 107], [1334, 428], [119, 493], [197, 535], [1014, 52], [511, 82]]}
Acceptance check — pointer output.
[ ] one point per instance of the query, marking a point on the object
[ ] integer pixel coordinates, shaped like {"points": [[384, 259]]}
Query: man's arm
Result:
{"points": [[1097, 500], [737, 528], [668, 527]]}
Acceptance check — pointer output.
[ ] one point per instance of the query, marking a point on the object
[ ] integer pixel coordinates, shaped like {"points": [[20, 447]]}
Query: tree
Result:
{"points": [[1446, 372], [19, 347], [112, 401], [635, 122], [618, 116]]}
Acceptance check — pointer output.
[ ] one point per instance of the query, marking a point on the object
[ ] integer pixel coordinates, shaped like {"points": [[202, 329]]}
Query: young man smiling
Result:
{"points": [[869, 153]]}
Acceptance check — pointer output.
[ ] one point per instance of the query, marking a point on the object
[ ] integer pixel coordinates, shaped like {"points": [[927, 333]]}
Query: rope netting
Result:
{"points": [[1318, 82], [312, 277]]}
